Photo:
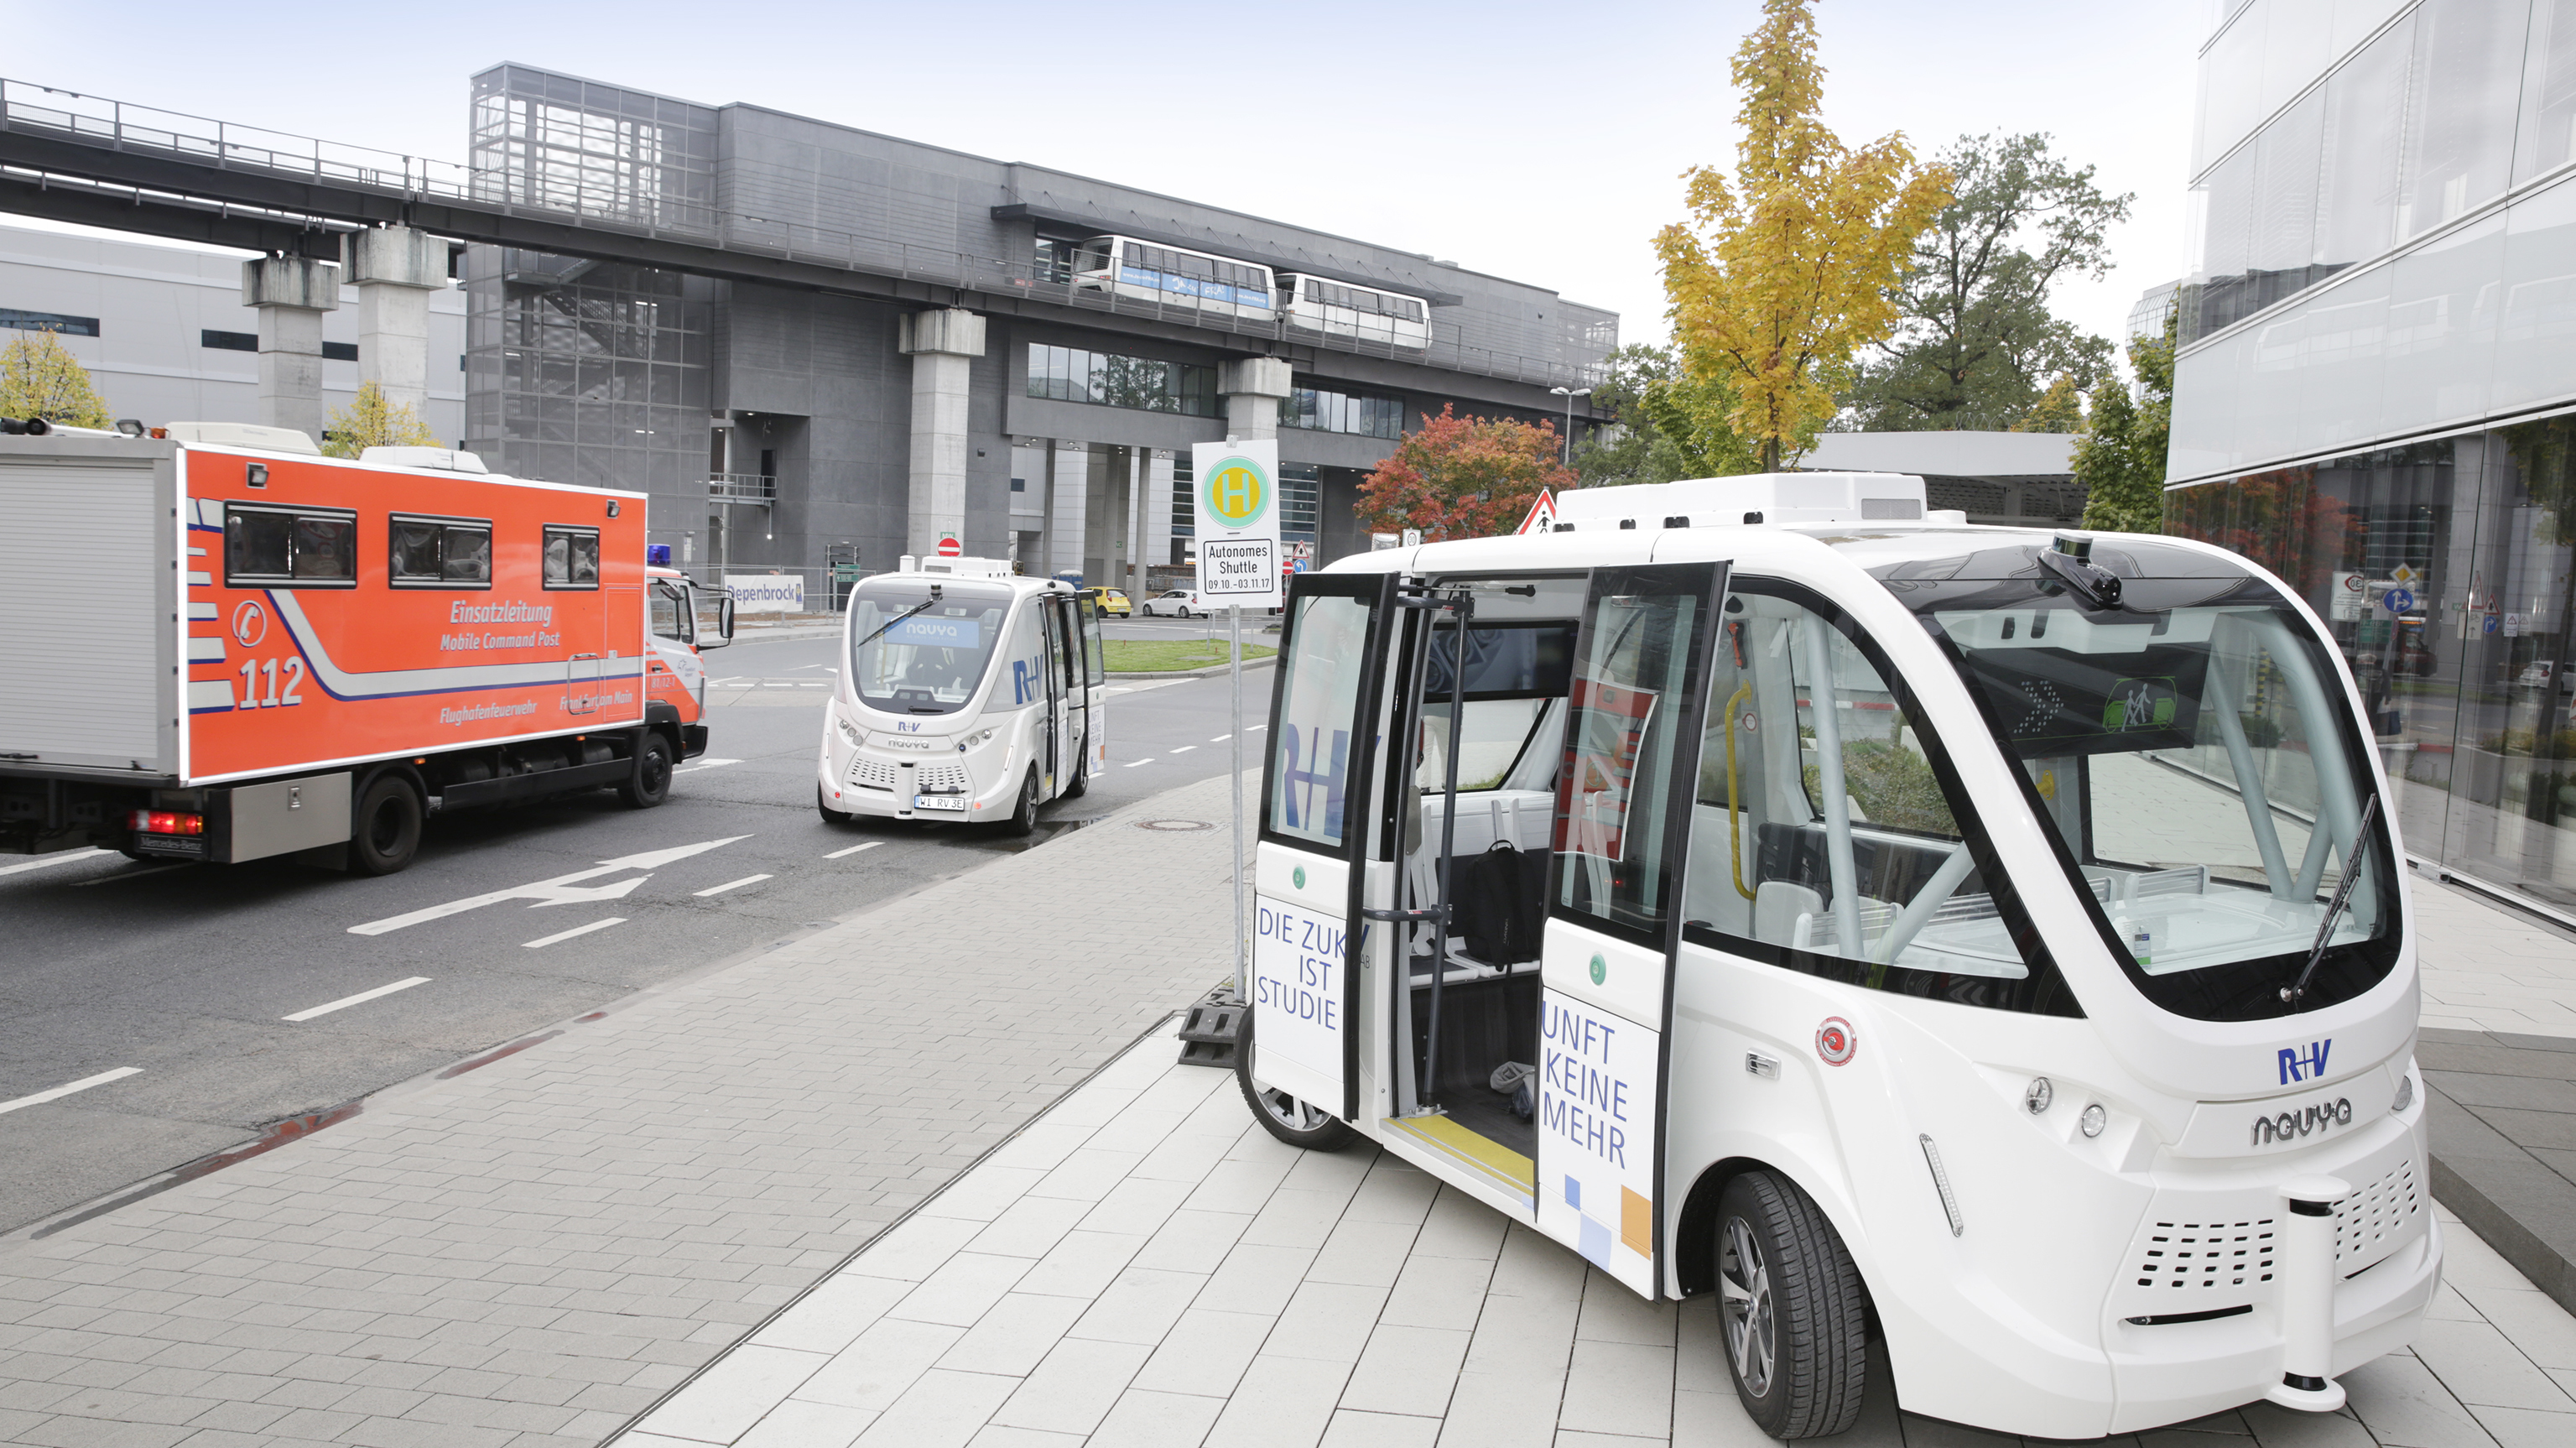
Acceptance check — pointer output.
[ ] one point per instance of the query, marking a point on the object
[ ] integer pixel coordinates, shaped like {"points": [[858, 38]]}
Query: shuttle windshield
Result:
{"points": [[2191, 749], [920, 647]]}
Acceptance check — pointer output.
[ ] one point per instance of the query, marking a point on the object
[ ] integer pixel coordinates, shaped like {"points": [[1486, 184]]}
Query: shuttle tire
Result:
{"points": [[1024, 816], [1802, 1366], [1307, 1127], [384, 830], [650, 784], [823, 807], [1081, 777]]}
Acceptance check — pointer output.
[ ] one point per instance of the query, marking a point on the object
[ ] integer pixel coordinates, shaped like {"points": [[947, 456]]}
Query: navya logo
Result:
{"points": [[2291, 1125], [2307, 1065]]}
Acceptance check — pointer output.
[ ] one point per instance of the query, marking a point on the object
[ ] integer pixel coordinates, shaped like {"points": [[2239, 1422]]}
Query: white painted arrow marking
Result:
{"points": [[551, 892]]}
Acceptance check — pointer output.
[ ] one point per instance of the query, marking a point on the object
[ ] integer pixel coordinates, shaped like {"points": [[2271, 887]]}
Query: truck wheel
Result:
{"points": [[823, 807], [650, 784], [1282, 1115], [385, 833], [1790, 1306], [1024, 819]]}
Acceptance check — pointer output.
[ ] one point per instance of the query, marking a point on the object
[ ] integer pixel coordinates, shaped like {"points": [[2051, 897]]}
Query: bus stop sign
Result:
{"points": [[1238, 522]]}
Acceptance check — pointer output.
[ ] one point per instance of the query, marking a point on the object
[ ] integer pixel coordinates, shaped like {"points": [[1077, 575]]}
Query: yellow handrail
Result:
{"points": [[1734, 836]]}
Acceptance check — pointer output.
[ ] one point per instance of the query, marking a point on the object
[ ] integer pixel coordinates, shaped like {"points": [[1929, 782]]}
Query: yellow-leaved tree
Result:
{"points": [[39, 377], [1777, 280], [374, 420]]}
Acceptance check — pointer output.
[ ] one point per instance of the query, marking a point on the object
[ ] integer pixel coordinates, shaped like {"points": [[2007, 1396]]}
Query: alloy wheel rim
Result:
{"points": [[1287, 1110], [1752, 1327]]}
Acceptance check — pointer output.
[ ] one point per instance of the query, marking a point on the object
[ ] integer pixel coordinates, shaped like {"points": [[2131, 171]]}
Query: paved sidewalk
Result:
{"points": [[1146, 1268], [531, 1253]]}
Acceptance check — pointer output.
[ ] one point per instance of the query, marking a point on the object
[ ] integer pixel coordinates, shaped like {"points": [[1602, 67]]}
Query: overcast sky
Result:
{"points": [[1538, 142]]}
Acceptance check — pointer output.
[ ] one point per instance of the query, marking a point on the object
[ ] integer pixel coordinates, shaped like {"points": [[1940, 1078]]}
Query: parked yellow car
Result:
{"points": [[1111, 602]]}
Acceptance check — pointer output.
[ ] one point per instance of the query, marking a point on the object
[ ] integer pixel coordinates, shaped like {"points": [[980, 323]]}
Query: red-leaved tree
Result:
{"points": [[1463, 477]]}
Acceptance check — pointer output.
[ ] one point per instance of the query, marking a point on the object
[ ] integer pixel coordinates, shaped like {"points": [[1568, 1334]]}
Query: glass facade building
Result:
{"points": [[2376, 393]]}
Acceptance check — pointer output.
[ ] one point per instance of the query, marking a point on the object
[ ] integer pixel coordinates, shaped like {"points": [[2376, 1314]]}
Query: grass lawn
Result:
{"points": [[1161, 656]]}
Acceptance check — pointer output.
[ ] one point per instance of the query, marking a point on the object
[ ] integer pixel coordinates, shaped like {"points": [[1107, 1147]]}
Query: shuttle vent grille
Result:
{"points": [[2366, 1221], [869, 773], [2189, 1256], [934, 778]]}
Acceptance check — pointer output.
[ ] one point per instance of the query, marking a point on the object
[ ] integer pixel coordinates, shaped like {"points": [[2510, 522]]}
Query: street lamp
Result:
{"points": [[1569, 394]]}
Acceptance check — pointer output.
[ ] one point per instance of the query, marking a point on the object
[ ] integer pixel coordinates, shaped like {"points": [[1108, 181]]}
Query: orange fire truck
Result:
{"points": [[250, 650]]}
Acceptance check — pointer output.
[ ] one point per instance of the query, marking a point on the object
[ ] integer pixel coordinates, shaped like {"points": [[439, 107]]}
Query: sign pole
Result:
{"points": [[1234, 648]]}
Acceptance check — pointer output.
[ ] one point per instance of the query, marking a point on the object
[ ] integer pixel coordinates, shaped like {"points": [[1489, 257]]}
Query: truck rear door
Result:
{"points": [[90, 531]]}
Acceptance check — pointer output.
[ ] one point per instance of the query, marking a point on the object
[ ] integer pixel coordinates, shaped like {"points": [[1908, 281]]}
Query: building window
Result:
{"points": [[48, 322], [1300, 505], [1070, 374], [249, 342], [1324, 410]]}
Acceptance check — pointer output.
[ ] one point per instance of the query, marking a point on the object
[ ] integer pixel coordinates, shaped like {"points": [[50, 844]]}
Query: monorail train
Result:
{"points": [[1342, 310], [1126, 267]]}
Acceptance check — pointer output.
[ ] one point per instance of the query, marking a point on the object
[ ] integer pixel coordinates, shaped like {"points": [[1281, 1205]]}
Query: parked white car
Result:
{"points": [[1175, 603]]}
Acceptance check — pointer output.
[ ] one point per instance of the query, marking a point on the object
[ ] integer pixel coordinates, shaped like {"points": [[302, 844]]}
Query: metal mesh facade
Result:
{"points": [[591, 373], [561, 143]]}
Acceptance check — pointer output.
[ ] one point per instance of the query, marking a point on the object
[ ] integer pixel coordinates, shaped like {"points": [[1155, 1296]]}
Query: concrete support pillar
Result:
{"points": [[395, 268], [292, 293], [942, 346], [1253, 388], [1068, 497]]}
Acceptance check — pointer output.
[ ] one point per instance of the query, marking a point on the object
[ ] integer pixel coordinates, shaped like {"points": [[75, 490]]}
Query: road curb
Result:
{"points": [[1195, 673]]}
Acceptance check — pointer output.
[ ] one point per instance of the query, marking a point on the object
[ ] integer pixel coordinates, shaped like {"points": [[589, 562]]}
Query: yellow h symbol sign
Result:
{"points": [[1235, 494]]}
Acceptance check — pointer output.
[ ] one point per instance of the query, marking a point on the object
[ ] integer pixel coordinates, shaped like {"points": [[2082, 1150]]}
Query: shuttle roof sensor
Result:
{"points": [[1761, 499]]}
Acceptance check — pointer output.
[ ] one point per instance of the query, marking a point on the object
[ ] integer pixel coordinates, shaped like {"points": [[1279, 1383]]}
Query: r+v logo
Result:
{"points": [[2308, 1065]]}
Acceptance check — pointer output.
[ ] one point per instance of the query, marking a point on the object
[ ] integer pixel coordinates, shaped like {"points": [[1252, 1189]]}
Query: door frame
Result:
{"points": [[1359, 812]]}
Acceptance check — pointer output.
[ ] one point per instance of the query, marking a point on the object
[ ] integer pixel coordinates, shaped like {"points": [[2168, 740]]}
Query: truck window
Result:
{"points": [[670, 613], [272, 547], [572, 557], [439, 553]]}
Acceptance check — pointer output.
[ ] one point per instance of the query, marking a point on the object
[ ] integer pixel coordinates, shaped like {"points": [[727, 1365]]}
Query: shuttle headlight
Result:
{"points": [[848, 730], [2095, 1118], [974, 740], [2035, 1100], [2405, 1092]]}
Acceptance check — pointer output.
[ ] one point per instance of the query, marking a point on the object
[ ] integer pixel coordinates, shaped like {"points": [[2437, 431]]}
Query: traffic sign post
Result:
{"points": [[1239, 563]]}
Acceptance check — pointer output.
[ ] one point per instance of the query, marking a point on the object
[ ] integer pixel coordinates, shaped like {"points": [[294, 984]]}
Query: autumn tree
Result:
{"points": [[2120, 455], [1776, 280], [1977, 345], [1666, 424], [374, 420], [1462, 477], [2059, 409], [39, 377]]}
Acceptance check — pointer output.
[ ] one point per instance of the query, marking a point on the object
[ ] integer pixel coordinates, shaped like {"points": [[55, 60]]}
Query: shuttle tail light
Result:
{"points": [[166, 822]]}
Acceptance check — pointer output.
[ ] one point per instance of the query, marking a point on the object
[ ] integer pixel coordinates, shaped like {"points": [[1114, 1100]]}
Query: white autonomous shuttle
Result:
{"points": [[1981, 941], [966, 695]]}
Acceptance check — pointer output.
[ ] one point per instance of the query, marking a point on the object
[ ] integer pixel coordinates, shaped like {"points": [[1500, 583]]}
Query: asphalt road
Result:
{"points": [[184, 977]]}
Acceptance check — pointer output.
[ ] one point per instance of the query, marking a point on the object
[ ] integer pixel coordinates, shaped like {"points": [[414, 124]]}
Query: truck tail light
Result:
{"points": [[167, 822]]}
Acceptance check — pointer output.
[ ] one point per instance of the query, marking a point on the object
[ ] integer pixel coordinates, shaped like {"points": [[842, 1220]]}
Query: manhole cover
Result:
{"points": [[1174, 825]]}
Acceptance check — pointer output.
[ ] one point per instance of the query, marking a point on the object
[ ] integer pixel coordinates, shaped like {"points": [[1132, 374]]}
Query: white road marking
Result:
{"points": [[361, 998], [696, 765], [49, 861], [541, 943], [1255, 729], [1131, 764], [1183, 748], [135, 874], [733, 885], [854, 849], [83, 1084], [551, 891], [1220, 739]]}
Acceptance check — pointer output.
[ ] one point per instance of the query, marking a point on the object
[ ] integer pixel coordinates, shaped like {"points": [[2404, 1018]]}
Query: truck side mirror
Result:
{"points": [[724, 617]]}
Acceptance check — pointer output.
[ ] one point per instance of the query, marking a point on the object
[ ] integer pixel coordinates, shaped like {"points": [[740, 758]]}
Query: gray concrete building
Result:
{"points": [[1020, 412], [167, 336]]}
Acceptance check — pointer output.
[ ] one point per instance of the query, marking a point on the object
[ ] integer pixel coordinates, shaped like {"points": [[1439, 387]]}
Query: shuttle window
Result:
{"points": [[2192, 751], [439, 553], [1312, 751], [1828, 834], [921, 648], [1614, 789], [572, 557], [269, 547]]}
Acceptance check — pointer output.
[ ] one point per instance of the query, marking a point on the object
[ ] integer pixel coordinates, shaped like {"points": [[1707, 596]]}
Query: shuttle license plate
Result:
{"points": [[939, 801]]}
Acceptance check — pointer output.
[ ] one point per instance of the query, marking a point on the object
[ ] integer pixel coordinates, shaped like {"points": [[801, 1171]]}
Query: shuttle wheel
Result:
{"points": [[823, 807], [1282, 1115], [1081, 778], [1790, 1303], [650, 784], [1024, 819], [385, 832]]}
